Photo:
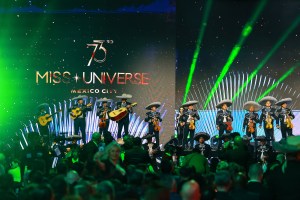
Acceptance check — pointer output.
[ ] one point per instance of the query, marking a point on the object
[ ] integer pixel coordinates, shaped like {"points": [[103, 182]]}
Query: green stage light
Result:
{"points": [[236, 49], [197, 50], [271, 52], [282, 78]]}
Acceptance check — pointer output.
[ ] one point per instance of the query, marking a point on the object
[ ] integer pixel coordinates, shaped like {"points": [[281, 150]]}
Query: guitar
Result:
{"points": [[45, 119], [119, 114], [76, 112]]}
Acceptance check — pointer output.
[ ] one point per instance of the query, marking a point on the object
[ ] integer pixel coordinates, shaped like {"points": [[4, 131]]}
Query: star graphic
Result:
{"points": [[76, 77]]}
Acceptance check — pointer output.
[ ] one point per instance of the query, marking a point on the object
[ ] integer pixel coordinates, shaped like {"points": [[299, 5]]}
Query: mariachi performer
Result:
{"points": [[102, 112], [285, 117], [153, 118], [124, 122], [224, 119], [180, 126], [251, 119], [202, 147], [190, 115], [78, 114], [263, 151], [268, 116]]}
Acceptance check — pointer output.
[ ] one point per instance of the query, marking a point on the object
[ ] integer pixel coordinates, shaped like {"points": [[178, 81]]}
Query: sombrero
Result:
{"points": [[292, 144], [104, 99], [148, 136], [260, 138], [228, 102], [249, 104], [205, 135], [283, 101], [79, 97], [124, 96], [189, 103], [156, 104], [120, 141], [267, 98]]}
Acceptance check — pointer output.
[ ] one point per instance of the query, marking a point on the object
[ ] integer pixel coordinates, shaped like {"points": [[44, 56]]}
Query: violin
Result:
{"points": [[156, 124], [251, 128], [289, 123], [269, 121], [192, 123], [229, 126]]}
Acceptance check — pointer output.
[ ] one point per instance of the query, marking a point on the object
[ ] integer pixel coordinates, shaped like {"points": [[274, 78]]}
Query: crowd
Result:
{"points": [[106, 169]]}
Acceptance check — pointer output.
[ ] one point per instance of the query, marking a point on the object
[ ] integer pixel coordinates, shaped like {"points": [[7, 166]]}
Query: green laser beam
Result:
{"points": [[198, 47], [282, 78], [236, 49], [268, 56]]}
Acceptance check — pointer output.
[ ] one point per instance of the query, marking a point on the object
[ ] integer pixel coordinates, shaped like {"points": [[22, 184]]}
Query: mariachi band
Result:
{"points": [[186, 119]]}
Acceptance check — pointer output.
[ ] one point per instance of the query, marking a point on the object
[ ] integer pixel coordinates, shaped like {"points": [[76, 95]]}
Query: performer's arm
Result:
{"points": [[291, 114], [147, 118], [196, 116], [245, 122], [158, 117], [130, 110]]}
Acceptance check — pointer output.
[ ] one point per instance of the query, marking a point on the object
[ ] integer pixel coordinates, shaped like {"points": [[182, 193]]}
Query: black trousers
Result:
{"points": [[156, 133], [222, 129], [123, 123], [79, 124], [186, 132], [252, 135], [180, 130], [269, 134], [104, 130], [285, 131]]}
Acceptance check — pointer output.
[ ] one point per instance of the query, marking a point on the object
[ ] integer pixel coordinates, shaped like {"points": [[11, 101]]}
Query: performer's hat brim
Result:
{"points": [[205, 135], [225, 135], [148, 136], [290, 145], [261, 138], [253, 104], [228, 102], [189, 103], [120, 141], [156, 104], [264, 100], [283, 101], [104, 100], [124, 96], [80, 97]]}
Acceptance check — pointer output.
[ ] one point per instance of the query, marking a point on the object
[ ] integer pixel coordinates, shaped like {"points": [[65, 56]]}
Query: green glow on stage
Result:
{"points": [[268, 56], [282, 78], [198, 46], [236, 49]]}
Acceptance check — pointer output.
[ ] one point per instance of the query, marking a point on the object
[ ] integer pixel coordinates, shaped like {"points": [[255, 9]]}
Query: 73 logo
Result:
{"points": [[98, 45]]}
